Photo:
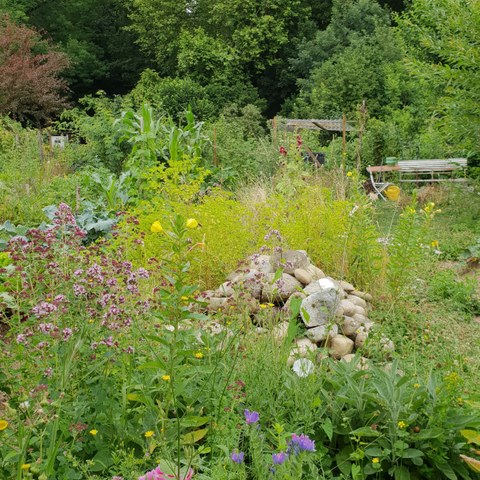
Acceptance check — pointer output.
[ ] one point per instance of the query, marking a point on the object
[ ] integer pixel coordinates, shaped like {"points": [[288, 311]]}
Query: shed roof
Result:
{"points": [[317, 124]]}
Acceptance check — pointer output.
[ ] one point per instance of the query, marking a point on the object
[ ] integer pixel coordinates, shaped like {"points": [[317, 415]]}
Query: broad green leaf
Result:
{"points": [[343, 461], [365, 432], [472, 436], [328, 428], [190, 422], [374, 451], [429, 433], [412, 453], [193, 437]]}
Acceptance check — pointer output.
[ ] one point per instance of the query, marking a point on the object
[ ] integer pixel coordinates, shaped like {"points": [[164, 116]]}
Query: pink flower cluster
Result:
{"points": [[157, 474]]}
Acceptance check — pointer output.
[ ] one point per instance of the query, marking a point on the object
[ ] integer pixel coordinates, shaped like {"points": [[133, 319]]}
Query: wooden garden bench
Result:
{"points": [[432, 170], [436, 170]]}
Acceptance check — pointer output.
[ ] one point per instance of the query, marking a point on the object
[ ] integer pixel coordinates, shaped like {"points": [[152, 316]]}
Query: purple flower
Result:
{"points": [[43, 309], [251, 417], [279, 458], [300, 443], [67, 333], [79, 290], [237, 456]]}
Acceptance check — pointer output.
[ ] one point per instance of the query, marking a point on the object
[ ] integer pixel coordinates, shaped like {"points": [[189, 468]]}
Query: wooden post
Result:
{"points": [[215, 160], [274, 132], [40, 144], [362, 121], [344, 141]]}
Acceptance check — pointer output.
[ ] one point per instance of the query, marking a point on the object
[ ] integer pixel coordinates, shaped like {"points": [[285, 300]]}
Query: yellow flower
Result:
{"points": [[401, 424], [434, 244], [25, 466], [184, 298], [262, 305], [349, 174], [416, 385], [93, 432], [270, 305], [3, 425], [375, 460], [198, 355], [166, 377], [156, 227], [192, 223], [149, 434]]}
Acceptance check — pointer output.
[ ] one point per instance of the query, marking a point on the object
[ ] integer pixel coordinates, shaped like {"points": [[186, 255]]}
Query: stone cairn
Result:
{"points": [[334, 313]]}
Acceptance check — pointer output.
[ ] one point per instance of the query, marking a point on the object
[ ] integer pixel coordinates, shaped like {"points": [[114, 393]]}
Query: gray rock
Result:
{"points": [[303, 348], [262, 263], [279, 332], [303, 276], [289, 260], [348, 287], [359, 302], [348, 308], [350, 326], [319, 308], [251, 282], [216, 303], [341, 346], [362, 362], [322, 333], [360, 311], [280, 290], [316, 273], [287, 307], [224, 290], [361, 338], [313, 287]]}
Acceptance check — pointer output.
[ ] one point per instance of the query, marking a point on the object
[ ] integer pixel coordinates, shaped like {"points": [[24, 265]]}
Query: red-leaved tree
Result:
{"points": [[31, 89]]}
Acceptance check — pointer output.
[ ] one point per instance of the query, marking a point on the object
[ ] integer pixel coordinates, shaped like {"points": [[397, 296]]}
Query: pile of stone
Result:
{"points": [[334, 312]]}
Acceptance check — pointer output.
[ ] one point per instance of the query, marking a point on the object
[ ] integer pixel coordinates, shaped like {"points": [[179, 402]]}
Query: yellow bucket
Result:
{"points": [[392, 192]]}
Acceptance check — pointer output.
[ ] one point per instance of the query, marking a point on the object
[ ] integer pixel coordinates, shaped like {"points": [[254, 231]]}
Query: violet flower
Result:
{"points": [[300, 443], [237, 456], [251, 417], [279, 458]]}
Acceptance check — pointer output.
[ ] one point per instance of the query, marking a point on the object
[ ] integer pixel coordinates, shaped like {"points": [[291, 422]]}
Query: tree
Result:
{"points": [[225, 40], [31, 89], [442, 50], [350, 61]]}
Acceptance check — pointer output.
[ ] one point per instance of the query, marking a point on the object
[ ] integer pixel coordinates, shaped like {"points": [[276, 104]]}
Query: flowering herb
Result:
{"points": [[251, 417], [237, 457], [279, 458], [300, 443]]}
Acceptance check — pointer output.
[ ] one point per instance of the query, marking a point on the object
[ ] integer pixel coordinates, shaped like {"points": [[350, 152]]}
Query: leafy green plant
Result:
{"points": [[459, 294]]}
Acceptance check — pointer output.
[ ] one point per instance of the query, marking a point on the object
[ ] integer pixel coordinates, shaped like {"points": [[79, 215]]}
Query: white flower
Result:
{"points": [[303, 367]]}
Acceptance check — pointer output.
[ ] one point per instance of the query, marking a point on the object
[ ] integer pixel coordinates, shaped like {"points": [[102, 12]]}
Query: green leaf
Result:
{"points": [[412, 453], [429, 433], [194, 437], [472, 436], [189, 422], [155, 365], [278, 275], [401, 473], [328, 428], [374, 451], [357, 472], [343, 461], [365, 432]]}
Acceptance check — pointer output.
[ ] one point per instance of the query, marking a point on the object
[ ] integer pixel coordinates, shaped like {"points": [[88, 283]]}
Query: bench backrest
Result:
{"points": [[435, 165]]}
